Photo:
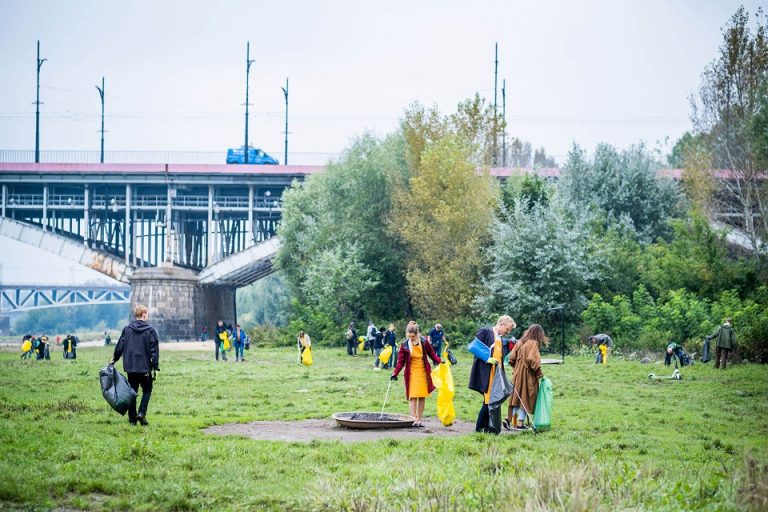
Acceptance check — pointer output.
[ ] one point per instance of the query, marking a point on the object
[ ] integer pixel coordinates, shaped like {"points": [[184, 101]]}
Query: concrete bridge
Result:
{"points": [[184, 237]]}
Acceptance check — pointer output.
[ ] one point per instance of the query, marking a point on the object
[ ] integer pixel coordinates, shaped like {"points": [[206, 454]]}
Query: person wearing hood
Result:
{"points": [[726, 341], [138, 346]]}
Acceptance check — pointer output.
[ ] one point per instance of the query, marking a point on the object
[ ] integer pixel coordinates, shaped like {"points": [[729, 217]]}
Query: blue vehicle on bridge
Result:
{"points": [[256, 156]]}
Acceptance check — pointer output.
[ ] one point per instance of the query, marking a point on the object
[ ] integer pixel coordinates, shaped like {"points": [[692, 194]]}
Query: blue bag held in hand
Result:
{"points": [[479, 349]]}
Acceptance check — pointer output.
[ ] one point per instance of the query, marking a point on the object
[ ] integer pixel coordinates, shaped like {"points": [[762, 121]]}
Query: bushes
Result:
{"points": [[681, 316]]}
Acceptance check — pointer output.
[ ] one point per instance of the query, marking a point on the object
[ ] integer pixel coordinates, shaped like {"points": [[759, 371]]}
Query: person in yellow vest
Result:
{"points": [[302, 342], [70, 347]]}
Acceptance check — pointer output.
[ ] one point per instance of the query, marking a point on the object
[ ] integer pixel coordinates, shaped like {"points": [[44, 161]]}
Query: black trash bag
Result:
{"points": [[501, 389], [116, 389], [451, 357]]}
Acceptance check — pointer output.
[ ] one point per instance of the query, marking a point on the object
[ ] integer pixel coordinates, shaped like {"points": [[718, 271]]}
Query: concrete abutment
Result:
{"points": [[178, 304]]}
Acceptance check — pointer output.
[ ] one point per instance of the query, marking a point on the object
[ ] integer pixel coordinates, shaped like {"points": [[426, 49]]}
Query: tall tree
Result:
{"points": [[543, 255], [340, 214], [444, 208], [624, 186], [442, 218], [730, 96]]}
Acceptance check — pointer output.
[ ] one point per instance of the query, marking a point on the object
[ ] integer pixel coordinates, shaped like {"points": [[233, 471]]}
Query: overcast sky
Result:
{"points": [[615, 71]]}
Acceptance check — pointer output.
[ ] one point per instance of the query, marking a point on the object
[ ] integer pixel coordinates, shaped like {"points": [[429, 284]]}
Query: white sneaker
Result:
{"points": [[376, 368]]}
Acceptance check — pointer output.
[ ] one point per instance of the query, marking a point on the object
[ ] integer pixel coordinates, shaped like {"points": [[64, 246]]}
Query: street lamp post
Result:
{"points": [[285, 93], [101, 93], [37, 106], [248, 63]]}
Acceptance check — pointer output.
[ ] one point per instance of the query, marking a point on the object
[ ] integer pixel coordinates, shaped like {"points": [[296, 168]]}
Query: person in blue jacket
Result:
{"points": [[239, 341]]}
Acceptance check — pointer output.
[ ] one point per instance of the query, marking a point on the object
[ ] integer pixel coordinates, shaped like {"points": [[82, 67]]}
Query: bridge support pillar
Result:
{"points": [[178, 305]]}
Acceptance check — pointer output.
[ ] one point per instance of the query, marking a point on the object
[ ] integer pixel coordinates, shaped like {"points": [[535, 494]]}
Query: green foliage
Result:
{"points": [[697, 260], [335, 219], [623, 186], [97, 317], [683, 317], [674, 453], [442, 219], [265, 302], [530, 189], [542, 257]]}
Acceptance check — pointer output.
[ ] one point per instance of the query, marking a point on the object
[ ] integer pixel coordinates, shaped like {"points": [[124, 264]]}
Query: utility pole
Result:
{"points": [[495, 115], [37, 106], [248, 63], [285, 93], [101, 93], [504, 122]]}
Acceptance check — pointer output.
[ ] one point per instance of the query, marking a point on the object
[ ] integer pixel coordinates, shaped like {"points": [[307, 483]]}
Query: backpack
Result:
{"points": [[349, 334]]}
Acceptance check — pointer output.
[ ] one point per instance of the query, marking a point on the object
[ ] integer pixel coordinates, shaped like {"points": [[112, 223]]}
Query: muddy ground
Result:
{"points": [[328, 430]]}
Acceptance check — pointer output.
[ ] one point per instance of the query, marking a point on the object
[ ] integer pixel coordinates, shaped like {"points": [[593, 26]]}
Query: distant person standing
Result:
{"points": [[436, 337], [239, 336], [42, 348], [26, 346], [139, 347], [70, 347], [390, 338], [302, 342], [370, 336], [726, 341], [107, 338], [378, 346], [351, 336], [204, 334], [217, 340]]}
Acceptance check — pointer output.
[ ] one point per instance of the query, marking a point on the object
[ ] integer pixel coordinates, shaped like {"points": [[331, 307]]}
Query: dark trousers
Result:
{"points": [[484, 418], [216, 343], [351, 347], [145, 381], [724, 352]]}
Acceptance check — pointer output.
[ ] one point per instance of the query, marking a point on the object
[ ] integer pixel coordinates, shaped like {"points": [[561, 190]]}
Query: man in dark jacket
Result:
{"points": [[726, 341], [138, 345], [220, 328]]}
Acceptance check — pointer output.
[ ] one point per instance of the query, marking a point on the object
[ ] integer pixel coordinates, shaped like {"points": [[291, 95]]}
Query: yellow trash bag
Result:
{"points": [[604, 353], [226, 345], [361, 344], [442, 378], [306, 357], [385, 354], [26, 346]]}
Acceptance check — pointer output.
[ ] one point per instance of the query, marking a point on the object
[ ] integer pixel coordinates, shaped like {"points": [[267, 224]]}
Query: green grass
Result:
{"points": [[618, 442]]}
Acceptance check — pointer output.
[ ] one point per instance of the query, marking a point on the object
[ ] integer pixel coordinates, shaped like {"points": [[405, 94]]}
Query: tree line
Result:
{"points": [[412, 225]]}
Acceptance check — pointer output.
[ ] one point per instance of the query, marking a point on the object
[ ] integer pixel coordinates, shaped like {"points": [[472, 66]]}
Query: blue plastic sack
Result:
{"points": [[479, 349], [542, 414]]}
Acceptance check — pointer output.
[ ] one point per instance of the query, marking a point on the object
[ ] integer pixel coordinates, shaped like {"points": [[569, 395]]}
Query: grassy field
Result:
{"points": [[618, 442]]}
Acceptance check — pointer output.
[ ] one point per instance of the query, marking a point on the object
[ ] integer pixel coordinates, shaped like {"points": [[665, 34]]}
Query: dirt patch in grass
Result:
{"points": [[328, 430]]}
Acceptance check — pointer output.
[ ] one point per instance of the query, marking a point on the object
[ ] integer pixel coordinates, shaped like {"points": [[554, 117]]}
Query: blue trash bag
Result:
{"points": [[115, 388], [542, 414]]}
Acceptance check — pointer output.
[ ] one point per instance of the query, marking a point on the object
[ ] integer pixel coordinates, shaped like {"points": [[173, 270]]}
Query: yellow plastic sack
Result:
{"points": [[604, 353], [306, 357], [361, 346], [442, 378], [385, 354], [226, 344], [26, 346]]}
